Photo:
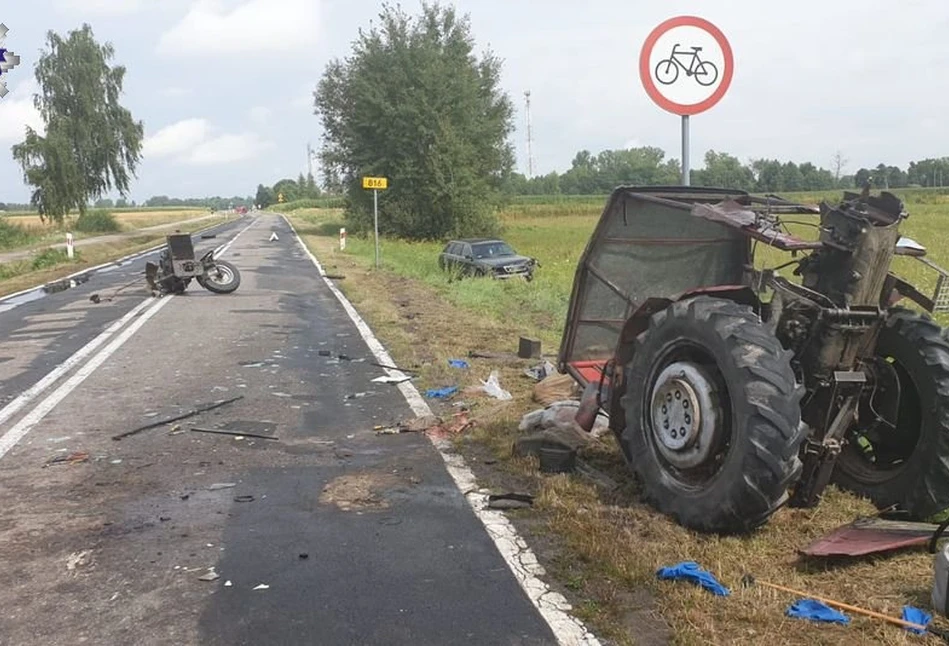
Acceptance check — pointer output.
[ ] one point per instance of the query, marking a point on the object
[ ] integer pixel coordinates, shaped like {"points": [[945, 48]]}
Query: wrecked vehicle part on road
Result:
{"points": [[733, 390], [177, 266]]}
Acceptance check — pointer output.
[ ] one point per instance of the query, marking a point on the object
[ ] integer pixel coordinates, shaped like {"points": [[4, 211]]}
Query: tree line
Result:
{"points": [[647, 166], [302, 188]]}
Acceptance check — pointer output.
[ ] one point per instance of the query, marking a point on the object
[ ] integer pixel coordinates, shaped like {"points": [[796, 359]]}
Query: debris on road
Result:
{"points": [[554, 388], [224, 431], [210, 575], [528, 348], [461, 364], [541, 371], [748, 581], [870, 536], [441, 393], [262, 586], [391, 380], [303, 555], [78, 559], [244, 498], [191, 413], [510, 501], [693, 572], [77, 457], [222, 485], [493, 387], [458, 423], [228, 583], [814, 610], [555, 459]]}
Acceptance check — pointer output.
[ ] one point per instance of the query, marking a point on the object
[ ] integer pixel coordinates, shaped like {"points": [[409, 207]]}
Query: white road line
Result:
{"points": [[553, 606], [19, 431], [28, 395]]}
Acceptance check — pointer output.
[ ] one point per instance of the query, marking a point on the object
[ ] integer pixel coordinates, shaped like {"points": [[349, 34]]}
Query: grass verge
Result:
{"points": [[602, 544]]}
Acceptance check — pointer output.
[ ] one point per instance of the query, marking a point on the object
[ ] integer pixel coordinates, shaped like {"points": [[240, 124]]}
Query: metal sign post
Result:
{"points": [[686, 66], [375, 184]]}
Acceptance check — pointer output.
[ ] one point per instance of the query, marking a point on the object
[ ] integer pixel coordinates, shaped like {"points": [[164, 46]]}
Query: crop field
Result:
{"points": [[607, 543], [129, 220]]}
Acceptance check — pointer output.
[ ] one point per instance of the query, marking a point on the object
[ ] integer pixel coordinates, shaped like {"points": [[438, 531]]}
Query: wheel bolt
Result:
{"points": [[665, 425], [674, 434], [665, 410], [685, 404], [678, 394], [688, 420]]}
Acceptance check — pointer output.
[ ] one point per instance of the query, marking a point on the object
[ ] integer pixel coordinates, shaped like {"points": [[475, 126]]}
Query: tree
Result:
{"points": [[415, 104], [312, 190], [92, 144], [265, 196], [838, 164], [724, 170], [289, 188]]}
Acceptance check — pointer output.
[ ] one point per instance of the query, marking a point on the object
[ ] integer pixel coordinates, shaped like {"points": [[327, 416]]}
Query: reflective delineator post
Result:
{"points": [[375, 209], [70, 252], [342, 239]]}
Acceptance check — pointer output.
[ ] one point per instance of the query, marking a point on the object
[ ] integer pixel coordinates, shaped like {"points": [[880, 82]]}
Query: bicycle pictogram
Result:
{"points": [[704, 72]]}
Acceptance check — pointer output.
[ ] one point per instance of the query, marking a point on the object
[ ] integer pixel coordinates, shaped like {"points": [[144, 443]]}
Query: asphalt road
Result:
{"points": [[328, 534]]}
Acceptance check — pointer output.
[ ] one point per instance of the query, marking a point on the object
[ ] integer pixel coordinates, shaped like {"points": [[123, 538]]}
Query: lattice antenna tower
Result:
{"points": [[530, 136]]}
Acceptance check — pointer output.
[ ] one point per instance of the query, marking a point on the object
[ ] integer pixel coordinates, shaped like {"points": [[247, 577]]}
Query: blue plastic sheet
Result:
{"points": [[916, 616], [441, 393], [815, 610], [461, 364], [692, 572]]}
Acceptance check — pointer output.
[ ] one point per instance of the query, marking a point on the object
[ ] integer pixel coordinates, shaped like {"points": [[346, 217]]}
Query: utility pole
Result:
{"points": [[530, 152], [309, 160]]}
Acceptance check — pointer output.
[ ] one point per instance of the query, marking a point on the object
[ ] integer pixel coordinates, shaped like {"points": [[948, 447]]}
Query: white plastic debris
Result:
{"points": [[262, 586], [493, 387]]}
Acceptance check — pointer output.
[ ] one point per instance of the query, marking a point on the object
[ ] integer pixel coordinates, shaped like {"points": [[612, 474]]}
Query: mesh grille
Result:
{"points": [[181, 247], [941, 297]]}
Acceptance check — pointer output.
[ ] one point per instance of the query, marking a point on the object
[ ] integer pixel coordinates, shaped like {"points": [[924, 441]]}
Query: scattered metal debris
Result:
{"points": [[870, 536], [77, 457], [191, 413], [224, 431], [391, 380], [244, 498], [222, 485], [528, 348]]}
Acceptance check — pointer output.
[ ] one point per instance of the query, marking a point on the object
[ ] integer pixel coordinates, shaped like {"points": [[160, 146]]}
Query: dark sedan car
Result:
{"points": [[485, 257]]}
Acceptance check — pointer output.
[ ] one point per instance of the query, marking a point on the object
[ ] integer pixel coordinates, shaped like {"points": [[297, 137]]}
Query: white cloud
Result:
{"points": [[193, 141], [17, 112], [261, 115], [254, 27], [101, 7], [176, 139], [227, 149]]}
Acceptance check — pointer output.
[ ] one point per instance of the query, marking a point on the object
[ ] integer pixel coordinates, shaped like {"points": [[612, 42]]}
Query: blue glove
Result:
{"points": [[458, 363], [690, 571], [916, 616], [816, 611], [441, 393]]}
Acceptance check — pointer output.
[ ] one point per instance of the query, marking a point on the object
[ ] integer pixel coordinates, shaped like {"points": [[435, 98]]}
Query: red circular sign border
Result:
{"points": [[645, 74]]}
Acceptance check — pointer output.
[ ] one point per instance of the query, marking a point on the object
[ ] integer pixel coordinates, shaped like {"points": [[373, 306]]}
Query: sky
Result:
{"points": [[224, 87]]}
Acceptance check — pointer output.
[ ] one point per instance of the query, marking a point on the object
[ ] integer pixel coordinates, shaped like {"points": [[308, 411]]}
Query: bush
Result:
{"points": [[97, 221]]}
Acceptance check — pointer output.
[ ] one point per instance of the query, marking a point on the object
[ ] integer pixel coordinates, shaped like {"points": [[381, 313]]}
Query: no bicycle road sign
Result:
{"points": [[686, 65]]}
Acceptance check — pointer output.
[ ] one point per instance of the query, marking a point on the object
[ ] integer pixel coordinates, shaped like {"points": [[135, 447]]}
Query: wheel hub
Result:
{"points": [[684, 416]]}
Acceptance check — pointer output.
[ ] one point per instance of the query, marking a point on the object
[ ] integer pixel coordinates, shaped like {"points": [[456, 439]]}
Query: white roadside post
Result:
{"points": [[70, 251], [375, 184], [686, 66], [342, 239]]}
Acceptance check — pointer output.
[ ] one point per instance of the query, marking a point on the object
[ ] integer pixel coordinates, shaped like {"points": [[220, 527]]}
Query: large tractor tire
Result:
{"points": [[713, 418], [898, 453]]}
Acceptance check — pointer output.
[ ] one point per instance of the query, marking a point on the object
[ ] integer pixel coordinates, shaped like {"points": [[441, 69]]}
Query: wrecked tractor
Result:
{"points": [[733, 389]]}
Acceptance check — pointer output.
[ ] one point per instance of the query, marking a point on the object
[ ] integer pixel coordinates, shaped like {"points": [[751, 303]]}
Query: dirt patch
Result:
{"points": [[359, 491]]}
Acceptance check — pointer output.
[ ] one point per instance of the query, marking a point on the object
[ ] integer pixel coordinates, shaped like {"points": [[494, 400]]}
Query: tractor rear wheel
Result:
{"points": [[713, 419], [899, 452]]}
